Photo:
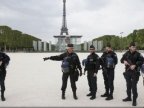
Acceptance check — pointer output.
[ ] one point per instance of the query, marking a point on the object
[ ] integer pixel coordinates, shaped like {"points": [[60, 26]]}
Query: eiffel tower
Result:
{"points": [[64, 28], [64, 38]]}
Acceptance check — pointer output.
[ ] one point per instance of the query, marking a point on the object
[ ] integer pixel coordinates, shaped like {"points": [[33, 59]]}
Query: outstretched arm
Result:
{"points": [[56, 58]]}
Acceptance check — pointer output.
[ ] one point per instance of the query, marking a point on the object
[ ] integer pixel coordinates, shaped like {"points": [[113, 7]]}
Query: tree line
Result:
{"points": [[14, 40], [122, 43]]}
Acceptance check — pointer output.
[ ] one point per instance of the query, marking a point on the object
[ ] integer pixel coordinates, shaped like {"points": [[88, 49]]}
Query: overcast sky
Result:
{"points": [[90, 18]]}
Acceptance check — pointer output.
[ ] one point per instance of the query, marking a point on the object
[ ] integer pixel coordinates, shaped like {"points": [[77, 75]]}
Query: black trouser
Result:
{"points": [[105, 77], [108, 75], [92, 82], [65, 79], [2, 79], [132, 78]]}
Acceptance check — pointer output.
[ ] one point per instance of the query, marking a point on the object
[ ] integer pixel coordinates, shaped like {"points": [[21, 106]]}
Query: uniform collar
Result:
{"points": [[69, 53], [92, 53], [132, 52]]}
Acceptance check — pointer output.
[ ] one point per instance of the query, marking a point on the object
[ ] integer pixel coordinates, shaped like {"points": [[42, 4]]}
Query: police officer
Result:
{"points": [[92, 66], [70, 62], [132, 60], [4, 60], [108, 62]]}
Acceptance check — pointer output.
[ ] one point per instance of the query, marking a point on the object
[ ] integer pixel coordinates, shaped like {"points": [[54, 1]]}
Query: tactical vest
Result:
{"points": [[91, 63], [131, 59], [68, 63], [110, 61]]}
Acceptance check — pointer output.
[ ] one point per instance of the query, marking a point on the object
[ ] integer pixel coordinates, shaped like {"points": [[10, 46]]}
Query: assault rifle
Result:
{"points": [[129, 64]]}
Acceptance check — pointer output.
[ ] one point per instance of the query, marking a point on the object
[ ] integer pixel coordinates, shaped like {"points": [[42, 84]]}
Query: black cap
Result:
{"points": [[92, 47], [132, 44], [70, 45]]}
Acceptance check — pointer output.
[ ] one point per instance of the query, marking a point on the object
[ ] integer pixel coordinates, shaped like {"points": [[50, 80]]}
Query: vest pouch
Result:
{"points": [[65, 65], [110, 62], [91, 64]]}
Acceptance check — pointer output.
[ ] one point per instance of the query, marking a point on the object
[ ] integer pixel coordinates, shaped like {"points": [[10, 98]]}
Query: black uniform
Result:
{"points": [[132, 76], [108, 62], [74, 64], [5, 60], [92, 66]]}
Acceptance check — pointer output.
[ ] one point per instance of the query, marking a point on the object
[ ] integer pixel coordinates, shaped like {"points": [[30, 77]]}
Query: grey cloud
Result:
{"points": [[96, 4], [36, 17], [32, 8], [86, 5], [43, 18]]}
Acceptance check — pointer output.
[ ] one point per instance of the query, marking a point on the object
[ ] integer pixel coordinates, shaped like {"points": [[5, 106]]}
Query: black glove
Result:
{"points": [[80, 72], [46, 58]]}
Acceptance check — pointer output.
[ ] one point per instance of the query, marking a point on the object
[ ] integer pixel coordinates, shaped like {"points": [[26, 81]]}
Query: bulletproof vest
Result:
{"points": [[68, 63], [91, 62], [132, 58], [110, 61]]}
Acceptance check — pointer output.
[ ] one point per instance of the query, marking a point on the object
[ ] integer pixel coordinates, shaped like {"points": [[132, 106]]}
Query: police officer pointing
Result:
{"points": [[70, 62], [92, 66], [132, 60], [108, 62]]}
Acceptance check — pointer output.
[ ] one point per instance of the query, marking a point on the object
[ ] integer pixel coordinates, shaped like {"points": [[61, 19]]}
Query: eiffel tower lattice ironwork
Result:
{"points": [[64, 28]]}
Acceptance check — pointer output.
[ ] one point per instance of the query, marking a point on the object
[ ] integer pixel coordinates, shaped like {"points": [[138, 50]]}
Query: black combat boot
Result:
{"points": [[74, 95], [2, 96], [134, 102], [63, 95], [127, 99], [110, 97], [106, 94], [90, 94], [93, 97]]}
